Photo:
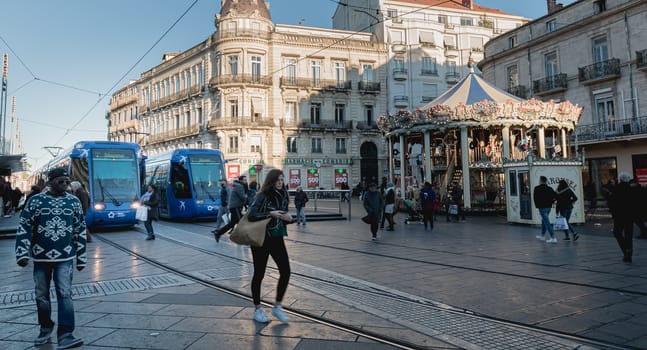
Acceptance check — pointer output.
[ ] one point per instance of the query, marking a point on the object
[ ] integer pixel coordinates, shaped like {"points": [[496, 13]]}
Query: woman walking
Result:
{"points": [[271, 201], [151, 199], [564, 207]]}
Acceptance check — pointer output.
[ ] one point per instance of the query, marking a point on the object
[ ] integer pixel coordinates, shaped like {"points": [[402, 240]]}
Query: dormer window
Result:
{"points": [[599, 6]]}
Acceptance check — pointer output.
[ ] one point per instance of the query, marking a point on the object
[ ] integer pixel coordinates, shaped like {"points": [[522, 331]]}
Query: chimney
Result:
{"points": [[469, 4], [552, 6]]}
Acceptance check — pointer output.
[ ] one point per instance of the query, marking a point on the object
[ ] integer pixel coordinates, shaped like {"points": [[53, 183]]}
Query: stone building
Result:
{"points": [[297, 98], [592, 53]]}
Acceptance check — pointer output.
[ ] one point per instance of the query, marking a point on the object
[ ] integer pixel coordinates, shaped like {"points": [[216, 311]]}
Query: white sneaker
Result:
{"points": [[260, 316], [277, 311], [540, 237], [552, 240]]}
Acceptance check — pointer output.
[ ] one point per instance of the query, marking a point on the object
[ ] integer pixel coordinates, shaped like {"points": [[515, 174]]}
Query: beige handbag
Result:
{"points": [[250, 233]]}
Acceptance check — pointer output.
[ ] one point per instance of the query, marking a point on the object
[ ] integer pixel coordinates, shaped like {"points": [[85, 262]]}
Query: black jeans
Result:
{"points": [[623, 230], [428, 217], [235, 217], [274, 246]]}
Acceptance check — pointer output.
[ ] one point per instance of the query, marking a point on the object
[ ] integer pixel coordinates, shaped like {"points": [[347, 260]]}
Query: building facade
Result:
{"points": [[297, 98], [592, 53]]}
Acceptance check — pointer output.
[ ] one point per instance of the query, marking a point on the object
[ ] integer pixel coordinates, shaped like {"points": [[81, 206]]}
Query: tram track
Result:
{"points": [[362, 332]]}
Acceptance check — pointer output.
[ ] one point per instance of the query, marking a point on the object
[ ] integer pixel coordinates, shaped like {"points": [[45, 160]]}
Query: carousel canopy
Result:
{"points": [[472, 89]]}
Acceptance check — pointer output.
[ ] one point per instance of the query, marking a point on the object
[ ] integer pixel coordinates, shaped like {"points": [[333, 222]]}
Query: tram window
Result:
{"points": [[80, 172], [513, 183], [180, 181]]}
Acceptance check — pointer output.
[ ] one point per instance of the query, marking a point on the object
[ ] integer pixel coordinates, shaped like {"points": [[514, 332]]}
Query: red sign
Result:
{"points": [[641, 176], [295, 178], [313, 178], [233, 171], [258, 167], [341, 177]]}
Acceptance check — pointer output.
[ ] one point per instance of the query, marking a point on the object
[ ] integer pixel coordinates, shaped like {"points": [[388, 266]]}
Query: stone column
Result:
{"points": [[564, 143], [467, 191], [506, 142], [427, 161], [541, 143]]}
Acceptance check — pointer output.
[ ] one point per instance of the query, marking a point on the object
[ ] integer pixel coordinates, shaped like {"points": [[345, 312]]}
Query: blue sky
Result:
{"points": [[64, 55]]}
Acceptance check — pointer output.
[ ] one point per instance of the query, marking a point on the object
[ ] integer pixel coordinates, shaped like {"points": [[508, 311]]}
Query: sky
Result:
{"points": [[67, 57]]}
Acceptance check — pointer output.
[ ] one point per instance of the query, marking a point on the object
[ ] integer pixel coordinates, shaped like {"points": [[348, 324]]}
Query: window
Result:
{"points": [[256, 67], [512, 41], [451, 67], [316, 145], [339, 113], [188, 78], [368, 114], [367, 72], [396, 37], [476, 43], [315, 113], [292, 144], [233, 144], [466, 21], [429, 92], [551, 64], [427, 38], [392, 13], [233, 109], [315, 72], [398, 64], [178, 86], [233, 64], [187, 117], [599, 6], [176, 119], [449, 42], [340, 145], [513, 76], [199, 113], [429, 65], [340, 73], [600, 49], [442, 19], [551, 26], [605, 112], [255, 144], [290, 111], [290, 71]]}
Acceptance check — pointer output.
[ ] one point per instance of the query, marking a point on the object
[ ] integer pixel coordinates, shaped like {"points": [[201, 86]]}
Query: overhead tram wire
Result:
{"points": [[127, 72], [360, 30]]}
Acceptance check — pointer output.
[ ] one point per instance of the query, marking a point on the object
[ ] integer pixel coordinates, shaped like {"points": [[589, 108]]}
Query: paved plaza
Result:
{"points": [[429, 289]]}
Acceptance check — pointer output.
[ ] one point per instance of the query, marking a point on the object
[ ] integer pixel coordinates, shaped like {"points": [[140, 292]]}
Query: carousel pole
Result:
{"points": [[390, 139], [428, 165], [564, 149], [541, 143], [506, 142], [467, 191], [403, 167]]}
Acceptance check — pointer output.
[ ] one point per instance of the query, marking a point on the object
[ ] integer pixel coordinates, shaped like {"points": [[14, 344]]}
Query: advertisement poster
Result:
{"points": [[233, 171], [313, 178], [641, 176], [295, 178], [341, 177]]}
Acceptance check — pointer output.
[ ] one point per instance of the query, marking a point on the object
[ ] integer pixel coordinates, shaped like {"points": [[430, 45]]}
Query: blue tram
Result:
{"points": [[188, 182], [111, 172]]}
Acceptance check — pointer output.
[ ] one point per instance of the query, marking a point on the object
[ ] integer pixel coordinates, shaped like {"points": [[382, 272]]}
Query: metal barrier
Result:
{"points": [[318, 196]]}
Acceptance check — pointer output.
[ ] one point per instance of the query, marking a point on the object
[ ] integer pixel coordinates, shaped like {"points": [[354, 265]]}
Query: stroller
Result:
{"points": [[413, 211]]}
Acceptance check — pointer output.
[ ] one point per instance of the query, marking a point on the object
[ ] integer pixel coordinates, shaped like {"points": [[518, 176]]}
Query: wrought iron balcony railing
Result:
{"points": [[232, 79], [242, 33], [237, 122], [600, 71], [175, 134], [617, 128], [368, 86], [366, 126], [308, 83], [426, 71], [519, 91], [553, 83]]}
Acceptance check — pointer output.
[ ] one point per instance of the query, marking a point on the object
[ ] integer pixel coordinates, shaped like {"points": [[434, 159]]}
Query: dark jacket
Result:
{"points": [[153, 202], [237, 196], [264, 203], [300, 199], [224, 195], [624, 202], [373, 204], [389, 197], [565, 199], [84, 198], [544, 196], [427, 199]]}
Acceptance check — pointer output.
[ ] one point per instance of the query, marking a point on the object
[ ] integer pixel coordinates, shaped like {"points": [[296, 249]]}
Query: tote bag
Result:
{"points": [[250, 233], [142, 213], [560, 224]]}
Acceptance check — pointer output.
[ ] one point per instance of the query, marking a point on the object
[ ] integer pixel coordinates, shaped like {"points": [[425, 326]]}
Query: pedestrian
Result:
{"points": [[271, 201], [373, 204], [544, 196], [300, 200], [389, 206], [235, 202], [223, 209], [640, 213], [52, 233], [251, 193], [622, 203], [564, 207], [79, 192], [427, 203], [345, 195], [7, 197], [151, 199]]}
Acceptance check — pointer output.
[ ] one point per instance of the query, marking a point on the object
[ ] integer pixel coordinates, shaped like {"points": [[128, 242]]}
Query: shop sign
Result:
{"points": [[313, 178], [341, 177], [295, 178], [233, 171]]}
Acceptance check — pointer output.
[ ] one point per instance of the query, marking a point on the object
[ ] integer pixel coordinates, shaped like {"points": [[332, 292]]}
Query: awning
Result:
{"points": [[427, 37]]}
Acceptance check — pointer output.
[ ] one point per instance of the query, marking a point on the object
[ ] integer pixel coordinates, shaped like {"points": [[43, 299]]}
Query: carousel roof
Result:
{"points": [[470, 90]]}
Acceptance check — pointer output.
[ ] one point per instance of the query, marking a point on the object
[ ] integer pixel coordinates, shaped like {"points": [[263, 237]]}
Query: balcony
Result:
{"points": [[618, 129], [452, 77], [307, 83], [368, 87], [364, 126], [192, 130], [218, 82], [242, 33], [400, 73], [426, 71], [519, 91], [124, 101], [401, 101], [550, 85], [641, 60], [599, 72], [451, 51], [399, 47], [238, 122], [426, 99]]}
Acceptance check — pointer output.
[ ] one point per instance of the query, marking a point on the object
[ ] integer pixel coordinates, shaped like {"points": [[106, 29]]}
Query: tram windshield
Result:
{"points": [[114, 175], [206, 171]]}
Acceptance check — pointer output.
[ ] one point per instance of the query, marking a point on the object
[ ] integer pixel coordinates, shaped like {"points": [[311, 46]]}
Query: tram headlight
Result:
{"points": [[135, 205], [99, 206], [200, 201]]}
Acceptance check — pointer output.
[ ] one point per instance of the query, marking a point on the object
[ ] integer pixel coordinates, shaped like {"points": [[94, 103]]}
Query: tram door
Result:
{"points": [[525, 200]]}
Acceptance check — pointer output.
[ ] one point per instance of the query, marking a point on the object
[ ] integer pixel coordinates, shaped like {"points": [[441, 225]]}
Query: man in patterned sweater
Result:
{"points": [[52, 232]]}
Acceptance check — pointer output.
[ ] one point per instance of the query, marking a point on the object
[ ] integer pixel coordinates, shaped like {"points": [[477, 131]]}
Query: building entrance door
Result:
{"points": [[368, 163]]}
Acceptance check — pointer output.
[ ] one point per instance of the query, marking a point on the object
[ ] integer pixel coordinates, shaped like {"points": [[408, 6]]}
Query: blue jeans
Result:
{"points": [[567, 214], [61, 272], [149, 225], [545, 222], [301, 215]]}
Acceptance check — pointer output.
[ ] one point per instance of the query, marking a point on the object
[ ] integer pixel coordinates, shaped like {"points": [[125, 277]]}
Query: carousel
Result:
{"points": [[490, 145]]}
